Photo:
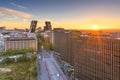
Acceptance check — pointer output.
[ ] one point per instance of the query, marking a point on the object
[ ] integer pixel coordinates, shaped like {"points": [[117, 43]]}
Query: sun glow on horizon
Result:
{"points": [[95, 27]]}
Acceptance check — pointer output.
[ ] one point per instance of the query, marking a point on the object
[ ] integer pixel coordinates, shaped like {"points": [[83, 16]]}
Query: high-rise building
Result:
{"points": [[33, 26], [64, 43], [97, 58], [61, 43], [94, 57], [73, 36], [47, 26]]}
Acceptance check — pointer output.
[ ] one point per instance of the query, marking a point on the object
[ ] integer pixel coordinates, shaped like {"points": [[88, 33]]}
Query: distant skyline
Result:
{"points": [[68, 14]]}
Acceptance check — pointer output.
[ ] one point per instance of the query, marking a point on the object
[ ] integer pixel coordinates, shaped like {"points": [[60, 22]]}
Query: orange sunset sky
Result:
{"points": [[68, 14]]}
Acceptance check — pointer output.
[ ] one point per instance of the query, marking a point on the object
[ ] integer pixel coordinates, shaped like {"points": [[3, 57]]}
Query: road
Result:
{"points": [[48, 68]]}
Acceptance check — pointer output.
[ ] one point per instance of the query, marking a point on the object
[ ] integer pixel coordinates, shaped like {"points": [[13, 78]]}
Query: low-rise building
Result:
{"points": [[1, 42], [20, 43]]}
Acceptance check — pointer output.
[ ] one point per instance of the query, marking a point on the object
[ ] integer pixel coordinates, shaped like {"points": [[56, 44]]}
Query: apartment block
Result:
{"points": [[97, 58], [94, 57], [61, 43], [20, 43], [64, 43]]}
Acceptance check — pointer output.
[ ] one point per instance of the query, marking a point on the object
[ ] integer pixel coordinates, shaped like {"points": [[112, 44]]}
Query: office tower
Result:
{"points": [[73, 36], [64, 43], [47, 26], [61, 43], [97, 58], [33, 26], [93, 57]]}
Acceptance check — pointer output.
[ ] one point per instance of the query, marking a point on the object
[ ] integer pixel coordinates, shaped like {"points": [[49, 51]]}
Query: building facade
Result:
{"points": [[47, 26], [97, 58], [63, 43], [20, 43], [93, 57], [33, 26]]}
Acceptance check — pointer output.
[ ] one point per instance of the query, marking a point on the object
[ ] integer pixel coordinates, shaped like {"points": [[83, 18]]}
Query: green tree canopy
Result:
{"points": [[40, 39]]}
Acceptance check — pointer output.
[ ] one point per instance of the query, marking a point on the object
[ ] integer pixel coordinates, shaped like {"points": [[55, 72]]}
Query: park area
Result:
{"points": [[23, 68]]}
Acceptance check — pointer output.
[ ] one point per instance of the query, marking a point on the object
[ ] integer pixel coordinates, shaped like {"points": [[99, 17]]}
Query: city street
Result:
{"points": [[48, 68]]}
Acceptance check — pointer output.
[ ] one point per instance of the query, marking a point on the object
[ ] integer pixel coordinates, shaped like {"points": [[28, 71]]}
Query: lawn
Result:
{"points": [[25, 70]]}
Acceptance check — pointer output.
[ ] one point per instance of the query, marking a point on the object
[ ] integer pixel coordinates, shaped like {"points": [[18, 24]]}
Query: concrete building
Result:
{"points": [[115, 35], [1, 42], [63, 43], [73, 36], [2, 28], [94, 57], [17, 34], [33, 26], [97, 58], [20, 43], [47, 26]]}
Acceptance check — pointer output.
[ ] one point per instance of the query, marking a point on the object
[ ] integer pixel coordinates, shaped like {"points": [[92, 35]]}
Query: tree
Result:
{"points": [[34, 71], [17, 51], [23, 59], [7, 60], [2, 53], [33, 58], [51, 47], [40, 39], [9, 51], [31, 50], [47, 45]]}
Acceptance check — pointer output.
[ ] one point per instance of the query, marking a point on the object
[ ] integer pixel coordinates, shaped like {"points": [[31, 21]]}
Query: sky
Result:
{"points": [[68, 14]]}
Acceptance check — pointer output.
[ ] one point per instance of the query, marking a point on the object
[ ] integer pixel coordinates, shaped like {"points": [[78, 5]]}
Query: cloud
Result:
{"points": [[15, 12], [1, 14], [19, 6]]}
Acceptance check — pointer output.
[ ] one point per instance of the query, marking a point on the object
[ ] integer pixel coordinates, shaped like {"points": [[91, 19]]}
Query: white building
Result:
{"points": [[1, 42]]}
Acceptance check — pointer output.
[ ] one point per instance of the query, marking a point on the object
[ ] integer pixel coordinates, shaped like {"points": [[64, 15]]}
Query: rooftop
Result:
{"points": [[19, 39]]}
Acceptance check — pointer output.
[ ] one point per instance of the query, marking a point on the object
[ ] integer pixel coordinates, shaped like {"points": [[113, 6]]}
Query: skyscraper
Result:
{"points": [[33, 26], [47, 26]]}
